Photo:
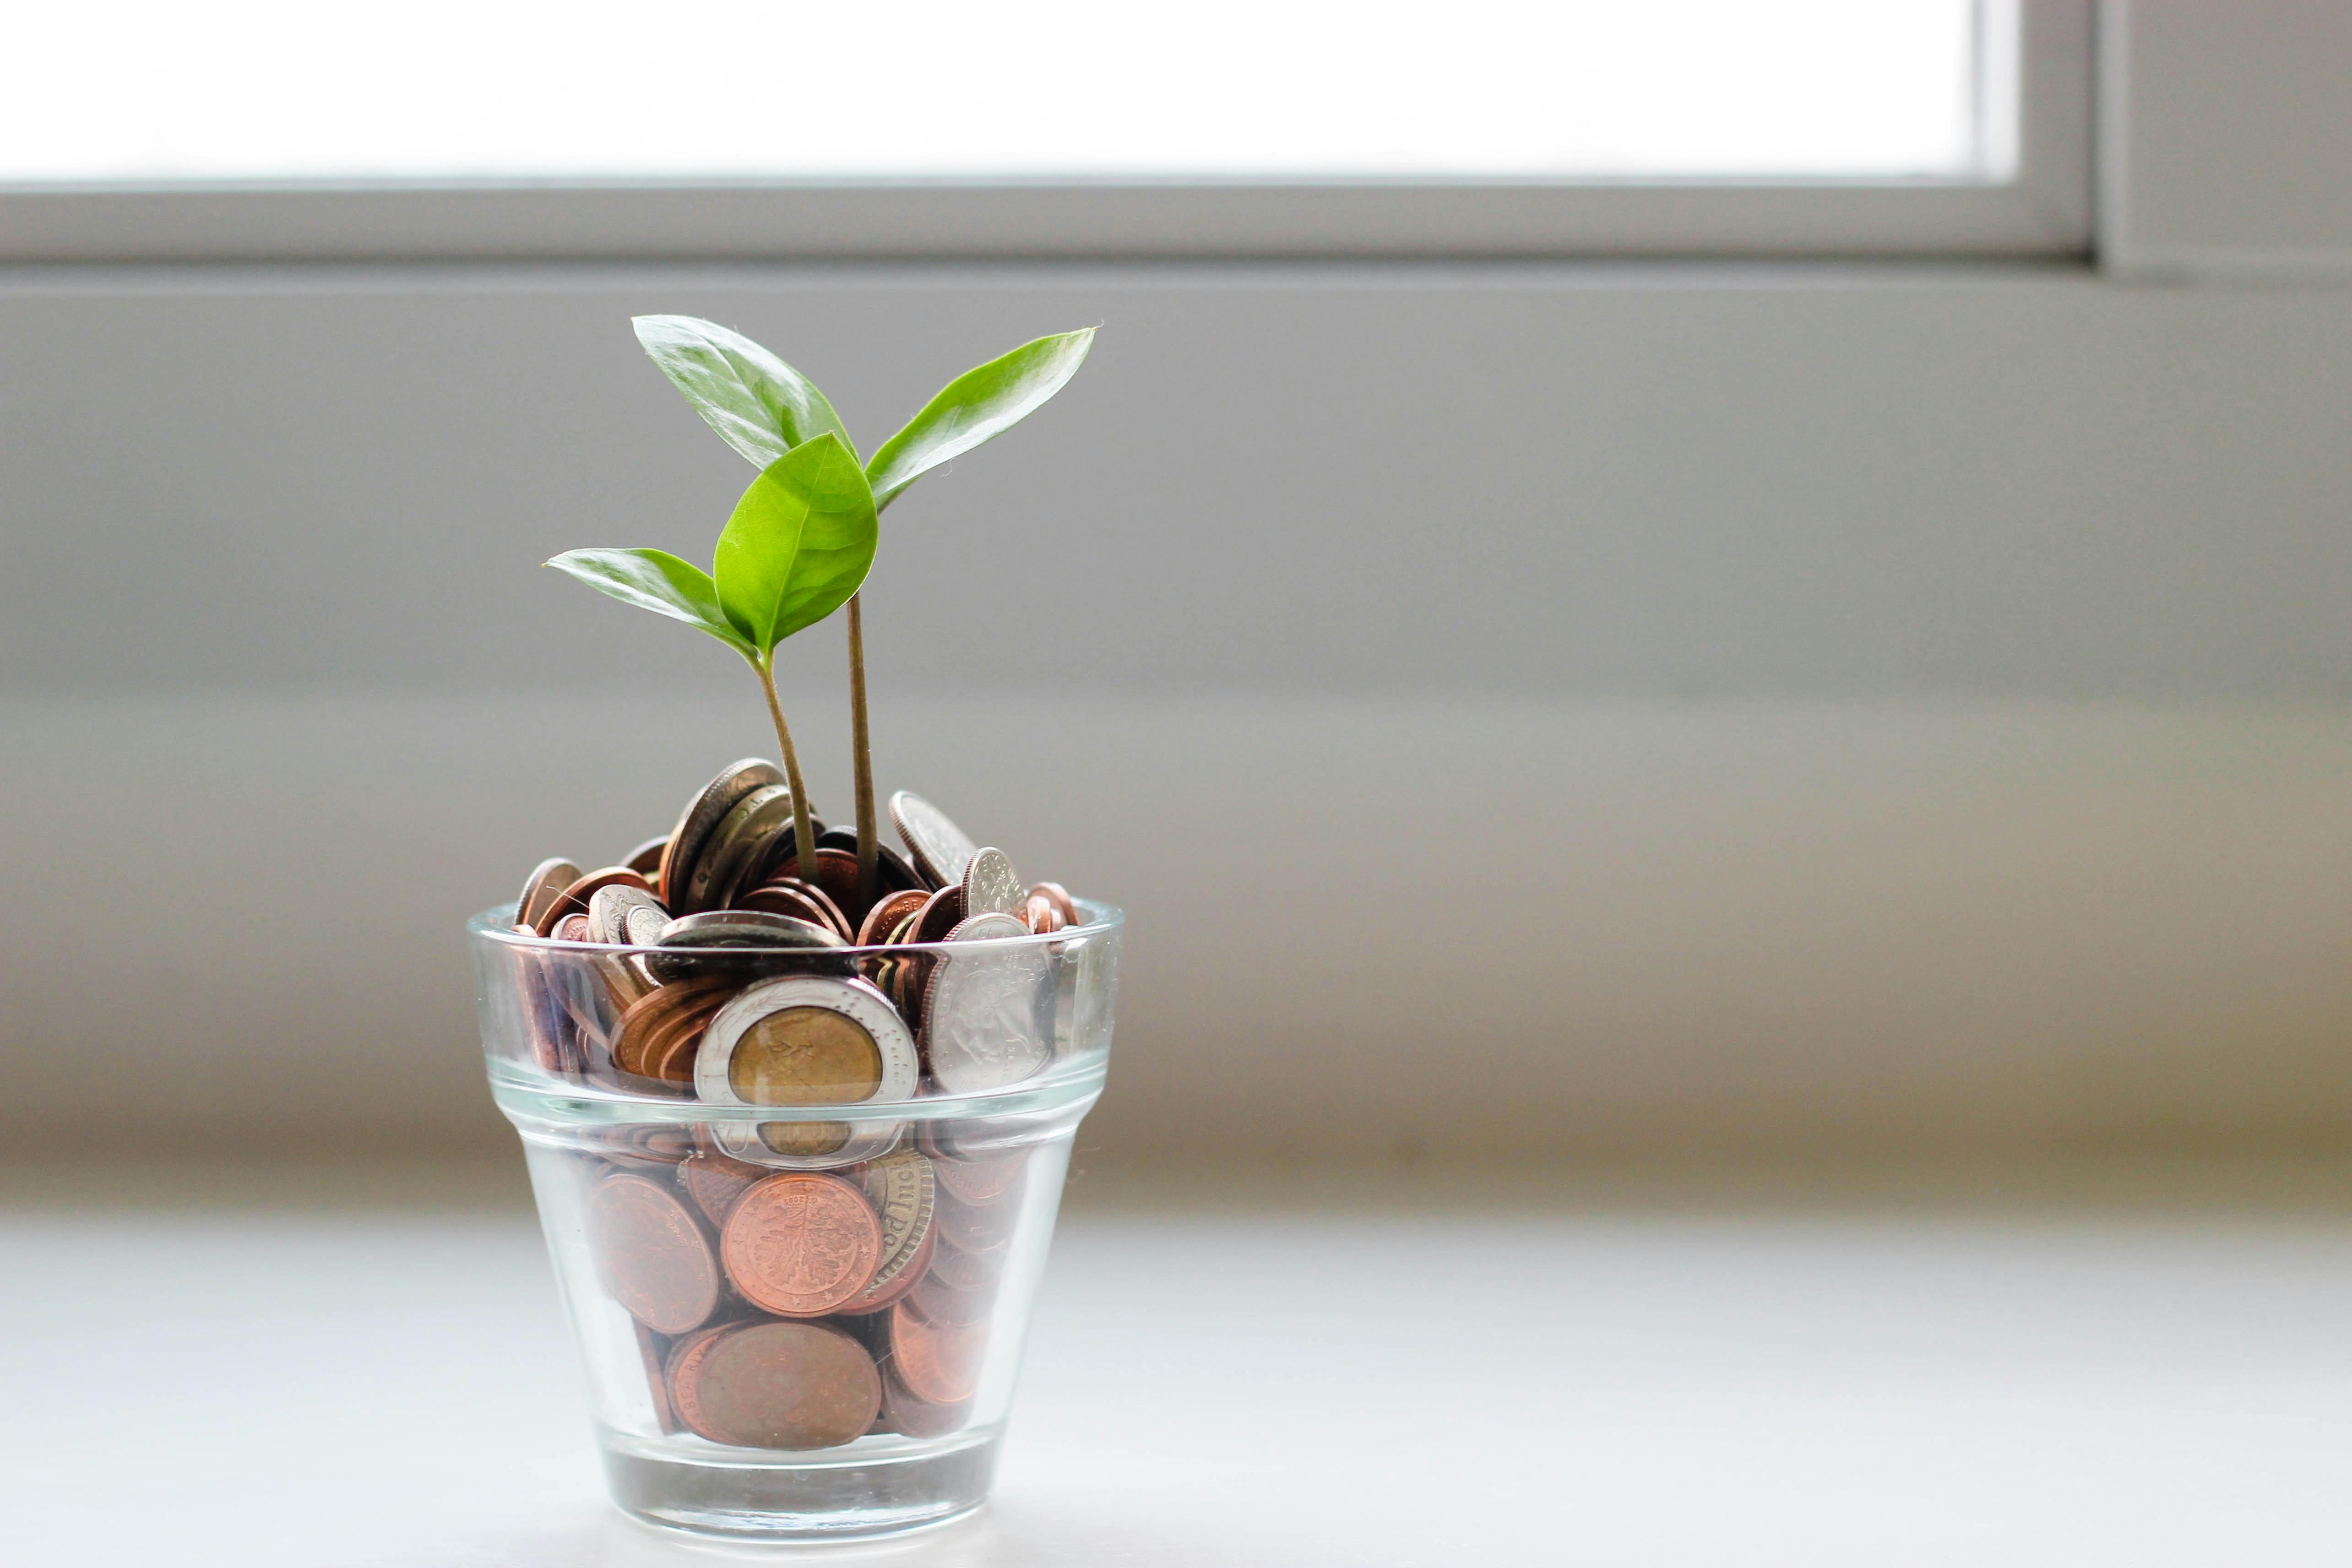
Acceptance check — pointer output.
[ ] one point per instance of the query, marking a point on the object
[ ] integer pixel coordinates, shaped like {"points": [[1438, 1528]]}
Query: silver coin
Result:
{"points": [[624, 916], [942, 851], [981, 1024], [704, 813], [991, 885], [736, 844]]}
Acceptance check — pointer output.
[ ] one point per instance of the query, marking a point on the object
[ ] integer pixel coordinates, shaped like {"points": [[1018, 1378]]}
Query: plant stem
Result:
{"points": [[804, 838], [869, 848]]}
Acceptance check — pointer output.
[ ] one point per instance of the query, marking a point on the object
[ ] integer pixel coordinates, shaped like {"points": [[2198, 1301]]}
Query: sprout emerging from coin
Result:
{"points": [[797, 545], [771, 414]]}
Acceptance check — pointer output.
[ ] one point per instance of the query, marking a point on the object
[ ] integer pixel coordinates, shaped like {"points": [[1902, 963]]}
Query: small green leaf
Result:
{"points": [[978, 405], [657, 581], [799, 544], [759, 405]]}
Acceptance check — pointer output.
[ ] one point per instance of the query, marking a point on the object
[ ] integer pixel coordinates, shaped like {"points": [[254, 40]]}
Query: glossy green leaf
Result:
{"points": [[657, 581], [978, 405], [759, 405], [799, 544]]}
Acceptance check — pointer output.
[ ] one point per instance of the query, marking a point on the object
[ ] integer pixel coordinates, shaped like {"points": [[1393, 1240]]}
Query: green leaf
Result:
{"points": [[799, 544], [759, 405], [978, 405], [657, 581]]}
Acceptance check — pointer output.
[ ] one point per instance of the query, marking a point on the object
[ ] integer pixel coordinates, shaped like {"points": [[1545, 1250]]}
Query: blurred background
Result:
{"points": [[1710, 644], [1729, 580]]}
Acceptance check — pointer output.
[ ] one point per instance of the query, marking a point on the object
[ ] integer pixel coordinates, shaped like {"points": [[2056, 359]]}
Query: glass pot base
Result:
{"points": [[762, 1496]]}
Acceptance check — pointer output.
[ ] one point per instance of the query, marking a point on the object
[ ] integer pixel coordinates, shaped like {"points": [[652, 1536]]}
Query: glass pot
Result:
{"points": [[802, 1326]]}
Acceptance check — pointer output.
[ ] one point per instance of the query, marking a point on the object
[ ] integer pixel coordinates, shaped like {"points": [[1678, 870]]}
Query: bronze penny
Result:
{"points": [[648, 1145], [972, 1272], [976, 1227], [677, 1046], [800, 1244], [939, 1364], [656, 1012], [573, 899], [836, 873], [571, 928], [651, 1254], [890, 912], [546, 881], [703, 813], [902, 1412], [649, 1349], [1039, 914], [981, 1181], [715, 1181], [941, 1303], [786, 1385], [940, 915], [1060, 897], [904, 1194], [679, 1370], [798, 899]]}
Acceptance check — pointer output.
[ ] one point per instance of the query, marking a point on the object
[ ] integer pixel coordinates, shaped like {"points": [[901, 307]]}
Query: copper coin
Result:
{"points": [[651, 1254], [1038, 913], [836, 873], [573, 899], [645, 859], [1061, 898], [571, 928], [671, 1060], [944, 1305], [904, 1194], [798, 899], [648, 1146], [649, 1349], [715, 1181], [942, 914], [786, 1385], [541, 888], [902, 1412], [972, 1272], [976, 1227], [681, 1369], [656, 1012], [977, 1181], [890, 912], [939, 1364], [800, 1244]]}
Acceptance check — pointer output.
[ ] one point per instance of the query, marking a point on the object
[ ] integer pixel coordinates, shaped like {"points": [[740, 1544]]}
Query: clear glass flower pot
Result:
{"points": [[801, 1325]]}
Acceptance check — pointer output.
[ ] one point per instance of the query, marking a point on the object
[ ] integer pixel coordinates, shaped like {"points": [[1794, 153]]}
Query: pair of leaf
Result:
{"points": [[762, 407], [799, 543], [802, 537]]}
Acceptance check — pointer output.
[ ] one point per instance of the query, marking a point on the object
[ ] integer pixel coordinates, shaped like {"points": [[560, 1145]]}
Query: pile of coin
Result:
{"points": [[798, 1284], [805, 1309], [808, 1020]]}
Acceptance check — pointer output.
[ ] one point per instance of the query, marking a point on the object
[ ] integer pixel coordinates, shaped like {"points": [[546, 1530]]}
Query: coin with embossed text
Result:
{"points": [[900, 1187]]}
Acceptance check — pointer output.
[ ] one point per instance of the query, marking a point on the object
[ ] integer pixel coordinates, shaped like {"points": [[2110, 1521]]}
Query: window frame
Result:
{"points": [[2043, 209]]}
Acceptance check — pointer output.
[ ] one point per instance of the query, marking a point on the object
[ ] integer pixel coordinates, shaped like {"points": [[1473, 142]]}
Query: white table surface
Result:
{"points": [[279, 1370]]}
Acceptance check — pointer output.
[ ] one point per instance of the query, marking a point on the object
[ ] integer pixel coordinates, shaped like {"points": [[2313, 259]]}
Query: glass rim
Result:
{"points": [[496, 924]]}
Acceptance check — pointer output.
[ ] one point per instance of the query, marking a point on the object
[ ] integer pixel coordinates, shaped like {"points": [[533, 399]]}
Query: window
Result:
{"points": [[515, 127]]}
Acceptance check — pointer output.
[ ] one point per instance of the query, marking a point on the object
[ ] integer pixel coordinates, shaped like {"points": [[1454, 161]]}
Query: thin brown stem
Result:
{"points": [[869, 847], [803, 837]]}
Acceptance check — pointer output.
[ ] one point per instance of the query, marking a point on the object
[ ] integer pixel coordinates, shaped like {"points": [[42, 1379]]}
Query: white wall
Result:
{"points": [[1855, 709]]}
